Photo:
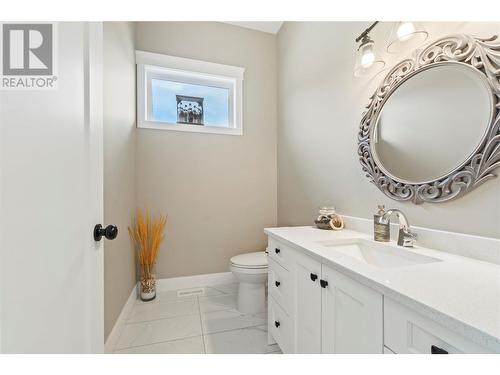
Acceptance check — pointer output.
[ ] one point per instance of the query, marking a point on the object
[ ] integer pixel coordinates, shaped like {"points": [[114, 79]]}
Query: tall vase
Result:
{"points": [[148, 288]]}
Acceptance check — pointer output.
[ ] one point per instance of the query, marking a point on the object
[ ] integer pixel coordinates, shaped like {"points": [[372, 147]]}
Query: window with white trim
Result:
{"points": [[175, 93]]}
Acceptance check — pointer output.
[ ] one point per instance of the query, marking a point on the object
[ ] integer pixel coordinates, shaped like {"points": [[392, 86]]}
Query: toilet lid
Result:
{"points": [[250, 260]]}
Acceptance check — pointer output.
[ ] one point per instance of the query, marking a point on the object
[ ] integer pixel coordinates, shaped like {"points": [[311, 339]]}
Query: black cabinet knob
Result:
{"points": [[110, 232], [276, 323], [323, 283], [314, 277], [277, 251], [437, 350], [277, 283]]}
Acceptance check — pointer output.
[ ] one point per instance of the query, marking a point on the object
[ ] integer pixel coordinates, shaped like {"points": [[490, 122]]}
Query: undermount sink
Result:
{"points": [[378, 254]]}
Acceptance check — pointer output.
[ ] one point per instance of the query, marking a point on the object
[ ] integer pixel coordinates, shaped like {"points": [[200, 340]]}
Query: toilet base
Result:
{"points": [[251, 297]]}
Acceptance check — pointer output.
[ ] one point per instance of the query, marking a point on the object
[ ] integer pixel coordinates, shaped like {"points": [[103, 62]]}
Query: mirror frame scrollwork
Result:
{"points": [[481, 54]]}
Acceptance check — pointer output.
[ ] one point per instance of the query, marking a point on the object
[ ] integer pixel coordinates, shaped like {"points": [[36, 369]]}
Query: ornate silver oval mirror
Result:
{"points": [[432, 129]]}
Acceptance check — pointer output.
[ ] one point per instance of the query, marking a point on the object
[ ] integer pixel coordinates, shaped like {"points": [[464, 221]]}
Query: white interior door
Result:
{"points": [[51, 290]]}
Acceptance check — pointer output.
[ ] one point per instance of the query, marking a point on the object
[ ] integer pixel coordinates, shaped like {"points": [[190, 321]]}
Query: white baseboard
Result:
{"points": [[114, 335], [195, 281]]}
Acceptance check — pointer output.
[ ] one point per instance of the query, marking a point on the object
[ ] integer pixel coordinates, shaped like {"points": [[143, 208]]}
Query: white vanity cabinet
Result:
{"points": [[317, 307], [321, 310]]}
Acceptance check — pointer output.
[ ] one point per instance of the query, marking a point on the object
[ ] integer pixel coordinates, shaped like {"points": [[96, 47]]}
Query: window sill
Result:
{"points": [[188, 128]]}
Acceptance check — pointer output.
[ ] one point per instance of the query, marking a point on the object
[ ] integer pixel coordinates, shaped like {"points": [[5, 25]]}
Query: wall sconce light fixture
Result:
{"points": [[367, 61]]}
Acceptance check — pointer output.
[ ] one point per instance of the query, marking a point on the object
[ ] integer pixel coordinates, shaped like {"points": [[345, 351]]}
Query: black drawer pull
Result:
{"points": [[277, 251], [276, 323], [277, 283], [314, 276], [323, 283], [437, 350]]}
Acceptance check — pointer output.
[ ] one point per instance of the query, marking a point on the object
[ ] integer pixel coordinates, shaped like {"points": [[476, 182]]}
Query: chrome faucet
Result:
{"points": [[406, 238]]}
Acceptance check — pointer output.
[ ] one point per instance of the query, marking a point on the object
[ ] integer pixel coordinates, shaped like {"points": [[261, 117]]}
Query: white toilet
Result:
{"points": [[251, 271]]}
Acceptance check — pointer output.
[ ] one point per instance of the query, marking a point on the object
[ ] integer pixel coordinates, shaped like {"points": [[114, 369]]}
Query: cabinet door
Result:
{"points": [[351, 316], [307, 305], [407, 332]]}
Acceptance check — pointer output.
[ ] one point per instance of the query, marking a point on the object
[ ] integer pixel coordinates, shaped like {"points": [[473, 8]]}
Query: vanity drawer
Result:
{"points": [[280, 326], [280, 253], [280, 285], [408, 332]]}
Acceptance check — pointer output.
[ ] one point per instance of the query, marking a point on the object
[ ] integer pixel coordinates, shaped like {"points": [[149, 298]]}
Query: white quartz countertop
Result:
{"points": [[462, 294]]}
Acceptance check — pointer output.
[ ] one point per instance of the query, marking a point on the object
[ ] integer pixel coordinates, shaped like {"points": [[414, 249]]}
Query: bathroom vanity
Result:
{"points": [[342, 292]]}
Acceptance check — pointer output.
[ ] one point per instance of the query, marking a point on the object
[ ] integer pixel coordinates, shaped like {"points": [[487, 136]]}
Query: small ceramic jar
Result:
{"points": [[325, 215]]}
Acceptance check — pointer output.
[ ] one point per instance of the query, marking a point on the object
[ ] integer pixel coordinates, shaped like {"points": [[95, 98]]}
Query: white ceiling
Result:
{"points": [[268, 27]]}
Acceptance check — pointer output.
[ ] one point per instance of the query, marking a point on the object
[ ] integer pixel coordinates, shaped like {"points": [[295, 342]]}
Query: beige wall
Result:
{"points": [[319, 109], [119, 162], [219, 191]]}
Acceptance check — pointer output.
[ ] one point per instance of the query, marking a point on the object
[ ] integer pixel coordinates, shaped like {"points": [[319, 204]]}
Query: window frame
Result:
{"points": [[178, 69]]}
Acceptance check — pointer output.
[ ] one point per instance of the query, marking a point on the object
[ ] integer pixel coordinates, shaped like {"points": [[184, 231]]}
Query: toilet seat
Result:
{"points": [[257, 260]]}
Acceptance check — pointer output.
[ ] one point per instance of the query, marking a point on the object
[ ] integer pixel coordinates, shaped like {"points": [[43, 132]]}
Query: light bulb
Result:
{"points": [[367, 62], [406, 36], [368, 58], [405, 30]]}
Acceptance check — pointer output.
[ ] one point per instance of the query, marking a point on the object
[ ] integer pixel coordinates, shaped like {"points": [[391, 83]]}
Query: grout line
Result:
{"points": [[223, 292], [235, 329], [275, 350], [157, 342], [138, 302], [227, 308], [220, 295], [222, 310], [157, 319], [201, 326], [233, 309]]}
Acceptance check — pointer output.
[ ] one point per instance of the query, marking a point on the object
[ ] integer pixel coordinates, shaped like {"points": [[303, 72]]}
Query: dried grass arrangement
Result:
{"points": [[147, 233]]}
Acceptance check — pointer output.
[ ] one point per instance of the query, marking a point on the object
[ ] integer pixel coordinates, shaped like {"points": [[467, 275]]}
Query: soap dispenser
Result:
{"points": [[381, 232]]}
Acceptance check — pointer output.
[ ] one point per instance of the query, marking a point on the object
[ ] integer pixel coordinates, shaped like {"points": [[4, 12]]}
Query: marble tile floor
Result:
{"points": [[207, 323]]}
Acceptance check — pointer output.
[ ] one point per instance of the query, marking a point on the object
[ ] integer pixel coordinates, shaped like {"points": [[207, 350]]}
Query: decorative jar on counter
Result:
{"points": [[325, 215]]}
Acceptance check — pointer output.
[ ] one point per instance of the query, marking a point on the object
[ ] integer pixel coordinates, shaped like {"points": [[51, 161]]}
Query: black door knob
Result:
{"points": [[314, 276], [277, 251], [277, 283], [276, 323], [323, 283], [110, 232]]}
